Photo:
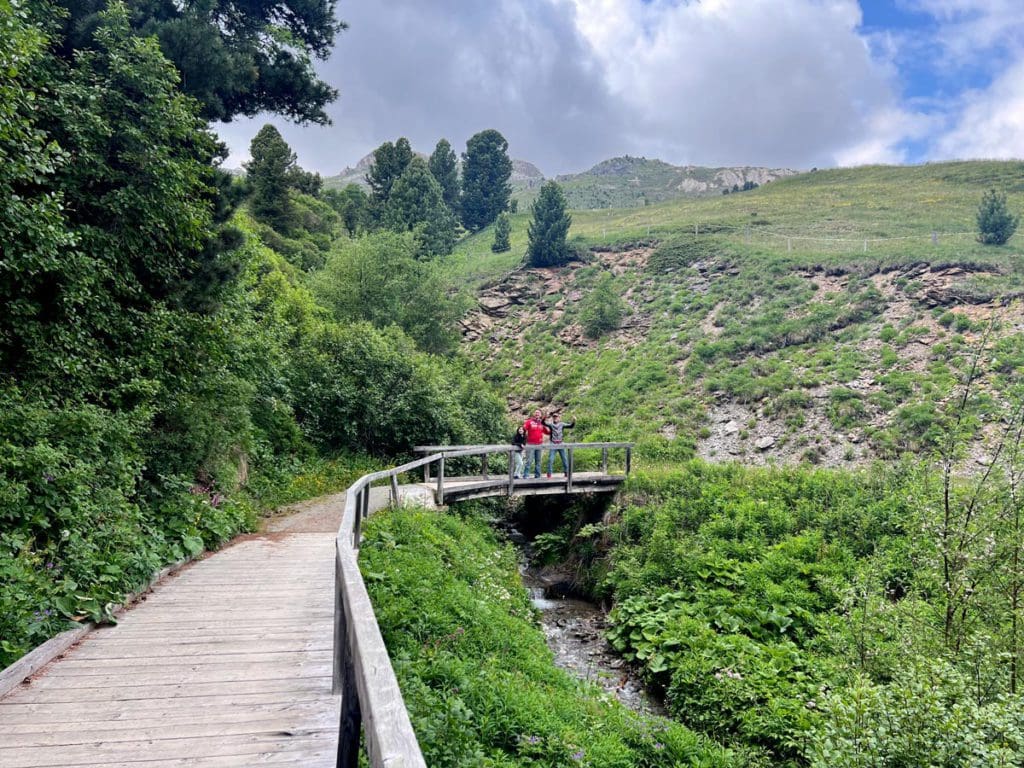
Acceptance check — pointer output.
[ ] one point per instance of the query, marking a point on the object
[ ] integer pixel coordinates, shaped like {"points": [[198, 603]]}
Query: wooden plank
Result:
{"points": [[248, 746], [58, 716]]}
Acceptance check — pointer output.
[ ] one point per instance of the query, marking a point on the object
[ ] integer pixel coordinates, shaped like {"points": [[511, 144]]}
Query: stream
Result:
{"points": [[575, 632]]}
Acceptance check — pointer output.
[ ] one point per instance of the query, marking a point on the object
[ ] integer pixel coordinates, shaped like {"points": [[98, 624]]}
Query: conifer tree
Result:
{"points": [[486, 170], [550, 225], [416, 204], [270, 171], [602, 309], [502, 230], [996, 224], [389, 162], [445, 167]]}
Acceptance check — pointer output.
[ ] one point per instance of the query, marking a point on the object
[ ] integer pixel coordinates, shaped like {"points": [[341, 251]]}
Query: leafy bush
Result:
{"points": [[476, 673]]}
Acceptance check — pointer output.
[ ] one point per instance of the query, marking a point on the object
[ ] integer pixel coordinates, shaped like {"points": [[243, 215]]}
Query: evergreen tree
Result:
{"points": [[502, 230], [550, 225], [486, 170], [269, 172], [996, 224], [416, 205], [444, 165], [389, 162], [235, 57], [602, 309]]}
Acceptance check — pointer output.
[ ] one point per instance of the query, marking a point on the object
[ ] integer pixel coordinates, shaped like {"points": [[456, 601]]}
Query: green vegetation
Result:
{"points": [[444, 166], [475, 671], [416, 204], [796, 615], [996, 224], [486, 169], [166, 371], [548, 228], [502, 230], [602, 309]]}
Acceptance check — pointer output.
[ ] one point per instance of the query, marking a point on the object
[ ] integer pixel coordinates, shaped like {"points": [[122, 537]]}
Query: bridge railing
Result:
{"points": [[371, 699]]}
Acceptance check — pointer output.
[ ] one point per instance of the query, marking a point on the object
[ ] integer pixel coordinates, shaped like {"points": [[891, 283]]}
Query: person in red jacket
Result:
{"points": [[535, 431]]}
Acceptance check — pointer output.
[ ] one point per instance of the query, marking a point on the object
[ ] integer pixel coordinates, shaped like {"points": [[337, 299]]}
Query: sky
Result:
{"points": [[776, 83]]}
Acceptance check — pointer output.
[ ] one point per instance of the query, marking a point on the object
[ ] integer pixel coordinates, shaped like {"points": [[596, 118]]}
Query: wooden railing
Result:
{"points": [[371, 699]]}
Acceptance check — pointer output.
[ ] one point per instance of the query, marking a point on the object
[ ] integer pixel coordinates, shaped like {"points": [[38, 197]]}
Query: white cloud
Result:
{"points": [[990, 123], [745, 81]]}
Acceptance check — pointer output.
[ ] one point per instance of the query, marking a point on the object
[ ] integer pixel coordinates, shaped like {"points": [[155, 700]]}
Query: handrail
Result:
{"points": [[363, 675]]}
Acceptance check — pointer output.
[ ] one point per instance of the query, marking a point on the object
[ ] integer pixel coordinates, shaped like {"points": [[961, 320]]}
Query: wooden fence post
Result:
{"points": [[511, 471], [629, 457], [440, 481], [484, 462], [358, 527], [568, 473], [394, 490], [351, 715], [604, 461]]}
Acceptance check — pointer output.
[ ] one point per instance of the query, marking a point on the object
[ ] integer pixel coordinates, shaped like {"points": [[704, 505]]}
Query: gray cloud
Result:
{"points": [[447, 68]]}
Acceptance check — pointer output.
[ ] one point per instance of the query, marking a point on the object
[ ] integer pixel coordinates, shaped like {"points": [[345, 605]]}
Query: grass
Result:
{"points": [[739, 315]]}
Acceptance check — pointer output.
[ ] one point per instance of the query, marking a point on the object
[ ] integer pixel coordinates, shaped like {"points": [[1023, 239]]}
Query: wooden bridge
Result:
{"points": [[229, 662]]}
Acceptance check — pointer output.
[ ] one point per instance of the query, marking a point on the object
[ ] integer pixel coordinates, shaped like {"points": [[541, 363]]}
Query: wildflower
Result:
{"points": [[659, 746], [577, 755]]}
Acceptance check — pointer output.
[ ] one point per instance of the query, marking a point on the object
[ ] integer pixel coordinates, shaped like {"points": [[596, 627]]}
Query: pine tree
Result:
{"points": [[502, 230], [602, 309], [996, 224], [549, 228], [389, 162], [269, 172], [416, 204], [486, 170], [445, 167]]}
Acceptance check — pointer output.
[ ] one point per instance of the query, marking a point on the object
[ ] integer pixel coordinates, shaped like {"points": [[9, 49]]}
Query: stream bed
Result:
{"points": [[575, 632]]}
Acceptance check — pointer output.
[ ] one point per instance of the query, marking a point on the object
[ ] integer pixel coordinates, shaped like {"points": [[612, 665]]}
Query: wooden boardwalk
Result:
{"points": [[227, 663]]}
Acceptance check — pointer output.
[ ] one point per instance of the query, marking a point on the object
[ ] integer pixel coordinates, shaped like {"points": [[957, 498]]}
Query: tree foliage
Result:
{"points": [[378, 279], [444, 166], [996, 224], [602, 310], [269, 174], [548, 228], [416, 205], [235, 57], [502, 230], [486, 170], [389, 163], [353, 205]]}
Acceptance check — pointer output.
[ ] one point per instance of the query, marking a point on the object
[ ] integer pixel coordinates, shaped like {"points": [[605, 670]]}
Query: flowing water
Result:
{"points": [[575, 632]]}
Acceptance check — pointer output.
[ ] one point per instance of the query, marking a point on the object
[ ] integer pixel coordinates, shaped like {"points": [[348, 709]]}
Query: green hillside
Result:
{"points": [[817, 318]]}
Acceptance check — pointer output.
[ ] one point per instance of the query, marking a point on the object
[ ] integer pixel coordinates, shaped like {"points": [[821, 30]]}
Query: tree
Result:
{"points": [[353, 205], [486, 170], [236, 57], [270, 171], [445, 168], [502, 230], [996, 224], [377, 278], [416, 205], [389, 162], [550, 225], [602, 309]]}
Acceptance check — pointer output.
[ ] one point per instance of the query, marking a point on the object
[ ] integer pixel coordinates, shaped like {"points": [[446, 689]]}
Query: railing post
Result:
{"points": [[629, 457], [604, 461], [511, 471], [568, 473], [486, 476], [426, 472], [440, 481], [357, 529], [351, 714], [366, 502], [394, 490]]}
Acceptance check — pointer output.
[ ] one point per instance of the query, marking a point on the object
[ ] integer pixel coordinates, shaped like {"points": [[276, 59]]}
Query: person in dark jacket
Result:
{"points": [[556, 428], [519, 441]]}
